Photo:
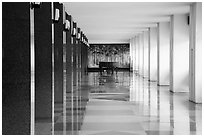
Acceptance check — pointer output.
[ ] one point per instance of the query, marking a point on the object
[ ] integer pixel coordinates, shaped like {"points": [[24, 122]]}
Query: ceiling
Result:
{"points": [[117, 22]]}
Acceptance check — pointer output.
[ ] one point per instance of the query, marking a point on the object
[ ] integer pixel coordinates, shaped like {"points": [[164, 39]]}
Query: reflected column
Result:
{"points": [[195, 118]]}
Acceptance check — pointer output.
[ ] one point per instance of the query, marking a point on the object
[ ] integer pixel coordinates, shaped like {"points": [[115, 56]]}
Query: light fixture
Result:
{"points": [[78, 33], [67, 25], [74, 32], [84, 40], [35, 5], [82, 37], [57, 16]]}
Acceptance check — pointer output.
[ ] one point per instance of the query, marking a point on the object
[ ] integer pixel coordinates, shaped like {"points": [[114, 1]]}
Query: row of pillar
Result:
{"points": [[170, 53], [43, 59]]}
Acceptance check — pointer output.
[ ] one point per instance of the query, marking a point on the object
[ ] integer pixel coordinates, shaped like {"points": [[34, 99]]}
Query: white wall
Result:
{"points": [[163, 48], [196, 52], [179, 73], [145, 53], [153, 54]]}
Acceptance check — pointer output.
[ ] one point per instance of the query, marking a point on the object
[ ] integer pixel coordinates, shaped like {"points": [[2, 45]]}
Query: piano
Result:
{"points": [[110, 66]]}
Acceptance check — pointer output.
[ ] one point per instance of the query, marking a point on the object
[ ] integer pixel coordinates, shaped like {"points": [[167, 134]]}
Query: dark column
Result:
{"points": [[84, 57], [58, 66], [58, 55], [69, 78], [78, 97], [43, 67], [68, 57], [87, 53], [75, 90], [16, 68], [74, 57], [79, 53]]}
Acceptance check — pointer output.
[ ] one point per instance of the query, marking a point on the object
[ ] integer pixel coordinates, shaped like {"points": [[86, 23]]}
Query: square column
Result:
{"points": [[153, 55], [43, 68], [68, 57], [163, 53], [141, 44], [195, 53], [179, 53], [133, 51], [84, 58], [137, 53], [145, 53], [16, 68], [58, 55], [69, 77], [74, 44], [134, 54], [131, 54], [58, 63]]}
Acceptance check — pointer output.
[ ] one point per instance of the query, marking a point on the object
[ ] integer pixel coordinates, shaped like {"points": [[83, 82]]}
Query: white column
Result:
{"points": [[153, 54], [179, 53], [163, 53], [141, 44], [137, 53], [145, 53], [148, 53], [196, 53], [134, 54], [131, 55]]}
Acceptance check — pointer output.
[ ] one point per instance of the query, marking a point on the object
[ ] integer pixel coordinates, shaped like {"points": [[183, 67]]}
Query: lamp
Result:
{"points": [[67, 25], [78, 33], [81, 33], [57, 16], [74, 32], [35, 5], [82, 37]]}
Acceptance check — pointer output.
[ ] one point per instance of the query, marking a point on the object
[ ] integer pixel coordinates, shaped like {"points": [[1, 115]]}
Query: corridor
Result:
{"points": [[126, 104], [101, 68]]}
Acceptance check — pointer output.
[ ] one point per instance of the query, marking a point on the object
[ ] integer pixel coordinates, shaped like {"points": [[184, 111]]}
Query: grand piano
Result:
{"points": [[109, 66]]}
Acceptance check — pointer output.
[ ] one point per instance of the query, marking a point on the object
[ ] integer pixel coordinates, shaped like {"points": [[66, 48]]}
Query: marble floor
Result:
{"points": [[125, 104]]}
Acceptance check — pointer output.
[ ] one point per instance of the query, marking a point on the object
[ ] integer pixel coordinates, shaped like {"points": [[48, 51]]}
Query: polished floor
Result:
{"points": [[125, 104]]}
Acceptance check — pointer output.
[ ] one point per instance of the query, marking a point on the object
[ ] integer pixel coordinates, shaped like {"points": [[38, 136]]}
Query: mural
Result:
{"points": [[109, 53]]}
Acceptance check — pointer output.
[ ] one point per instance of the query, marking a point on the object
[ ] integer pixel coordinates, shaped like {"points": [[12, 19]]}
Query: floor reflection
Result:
{"points": [[122, 104]]}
